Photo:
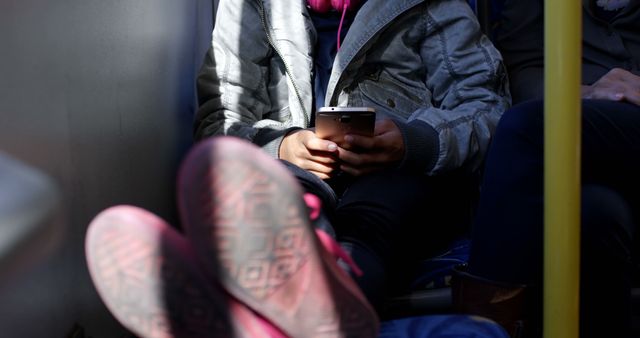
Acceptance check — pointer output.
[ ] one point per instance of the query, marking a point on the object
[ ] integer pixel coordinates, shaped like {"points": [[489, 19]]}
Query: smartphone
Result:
{"points": [[332, 123]]}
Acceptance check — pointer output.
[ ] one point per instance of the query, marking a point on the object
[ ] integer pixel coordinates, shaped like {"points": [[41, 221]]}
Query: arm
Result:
{"points": [[233, 82], [469, 85], [469, 91], [240, 92]]}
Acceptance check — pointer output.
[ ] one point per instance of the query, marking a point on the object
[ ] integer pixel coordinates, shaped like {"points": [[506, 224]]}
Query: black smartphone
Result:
{"points": [[332, 123]]}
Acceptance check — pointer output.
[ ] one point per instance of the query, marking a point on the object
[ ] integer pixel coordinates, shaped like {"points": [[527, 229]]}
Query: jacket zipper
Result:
{"points": [[286, 66]]}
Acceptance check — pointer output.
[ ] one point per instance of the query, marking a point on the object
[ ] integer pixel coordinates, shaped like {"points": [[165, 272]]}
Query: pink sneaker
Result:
{"points": [[147, 275], [245, 216]]}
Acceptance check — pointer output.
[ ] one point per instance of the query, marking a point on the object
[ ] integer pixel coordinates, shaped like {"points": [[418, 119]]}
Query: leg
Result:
{"points": [[507, 233], [605, 288], [391, 220], [373, 225], [605, 275], [313, 185]]}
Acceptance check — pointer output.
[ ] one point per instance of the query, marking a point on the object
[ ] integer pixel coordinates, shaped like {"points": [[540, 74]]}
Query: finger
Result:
{"points": [[318, 144], [359, 160], [324, 157], [320, 175], [320, 167], [350, 157], [610, 94], [616, 96], [633, 96], [353, 141], [629, 77]]}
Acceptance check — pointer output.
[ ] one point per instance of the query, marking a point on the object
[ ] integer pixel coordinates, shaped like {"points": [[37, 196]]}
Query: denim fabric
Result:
{"points": [[441, 326]]}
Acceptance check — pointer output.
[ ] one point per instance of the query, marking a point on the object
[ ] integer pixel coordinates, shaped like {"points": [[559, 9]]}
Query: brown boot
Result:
{"points": [[500, 302]]}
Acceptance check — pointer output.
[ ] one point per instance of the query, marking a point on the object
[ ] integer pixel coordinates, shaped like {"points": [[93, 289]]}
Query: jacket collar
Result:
{"points": [[372, 17], [283, 15]]}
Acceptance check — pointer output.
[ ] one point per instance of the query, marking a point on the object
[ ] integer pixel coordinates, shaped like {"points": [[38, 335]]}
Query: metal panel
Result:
{"points": [[99, 95]]}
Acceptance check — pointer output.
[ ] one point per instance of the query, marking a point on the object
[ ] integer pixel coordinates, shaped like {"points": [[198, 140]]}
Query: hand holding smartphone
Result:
{"points": [[333, 123]]}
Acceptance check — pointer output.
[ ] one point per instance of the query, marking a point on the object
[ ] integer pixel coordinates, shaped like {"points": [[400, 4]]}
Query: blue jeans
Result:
{"points": [[441, 326], [508, 230], [388, 221]]}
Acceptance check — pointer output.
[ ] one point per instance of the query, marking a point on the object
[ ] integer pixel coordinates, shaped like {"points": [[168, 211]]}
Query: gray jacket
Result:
{"points": [[424, 64]]}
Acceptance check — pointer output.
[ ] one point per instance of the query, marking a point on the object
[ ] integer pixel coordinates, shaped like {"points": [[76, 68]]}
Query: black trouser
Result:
{"points": [[508, 231], [389, 220]]}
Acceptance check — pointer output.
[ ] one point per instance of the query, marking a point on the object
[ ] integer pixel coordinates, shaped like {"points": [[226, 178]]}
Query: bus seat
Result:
{"points": [[488, 13]]}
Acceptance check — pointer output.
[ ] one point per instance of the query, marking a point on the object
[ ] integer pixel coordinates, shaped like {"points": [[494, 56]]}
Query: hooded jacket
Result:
{"points": [[424, 64]]}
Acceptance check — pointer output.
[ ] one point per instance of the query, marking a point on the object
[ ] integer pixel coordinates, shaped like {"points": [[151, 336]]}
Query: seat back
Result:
{"points": [[99, 96], [488, 13]]}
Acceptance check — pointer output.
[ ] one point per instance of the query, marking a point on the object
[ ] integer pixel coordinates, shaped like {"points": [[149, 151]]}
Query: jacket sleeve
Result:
{"points": [[233, 81], [469, 86]]}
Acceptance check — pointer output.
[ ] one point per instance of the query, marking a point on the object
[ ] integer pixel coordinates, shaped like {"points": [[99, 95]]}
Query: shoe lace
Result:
{"points": [[337, 251], [314, 204]]}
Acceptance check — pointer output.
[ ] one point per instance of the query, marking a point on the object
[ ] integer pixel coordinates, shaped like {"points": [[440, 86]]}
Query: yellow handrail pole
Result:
{"points": [[562, 105]]}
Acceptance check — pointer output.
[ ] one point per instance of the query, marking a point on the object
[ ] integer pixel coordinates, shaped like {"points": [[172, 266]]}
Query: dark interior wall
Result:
{"points": [[99, 95]]}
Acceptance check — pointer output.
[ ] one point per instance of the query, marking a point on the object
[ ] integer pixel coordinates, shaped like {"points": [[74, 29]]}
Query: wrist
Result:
{"points": [[586, 91]]}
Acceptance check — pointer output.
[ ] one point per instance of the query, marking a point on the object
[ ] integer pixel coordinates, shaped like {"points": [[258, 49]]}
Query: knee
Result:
{"points": [[312, 184], [524, 119]]}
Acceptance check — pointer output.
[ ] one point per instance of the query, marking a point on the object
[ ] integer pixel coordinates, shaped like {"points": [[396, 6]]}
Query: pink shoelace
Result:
{"points": [[314, 204]]}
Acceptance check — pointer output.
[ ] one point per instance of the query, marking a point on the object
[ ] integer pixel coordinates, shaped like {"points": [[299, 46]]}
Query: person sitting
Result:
{"points": [[438, 87], [506, 248], [253, 264]]}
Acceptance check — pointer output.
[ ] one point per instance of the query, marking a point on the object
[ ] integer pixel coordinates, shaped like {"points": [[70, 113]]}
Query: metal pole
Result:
{"points": [[563, 49]]}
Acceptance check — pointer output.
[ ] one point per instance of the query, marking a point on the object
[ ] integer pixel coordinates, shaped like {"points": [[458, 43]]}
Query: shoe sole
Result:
{"points": [[245, 215], [146, 274]]}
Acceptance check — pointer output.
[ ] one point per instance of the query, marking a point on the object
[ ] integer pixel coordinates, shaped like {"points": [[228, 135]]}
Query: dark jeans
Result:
{"points": [[389, 220], [508, 230]]}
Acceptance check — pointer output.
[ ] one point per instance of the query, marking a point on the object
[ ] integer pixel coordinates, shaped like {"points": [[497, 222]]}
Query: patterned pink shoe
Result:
{"points": [[245, 216], [146, 274]]}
